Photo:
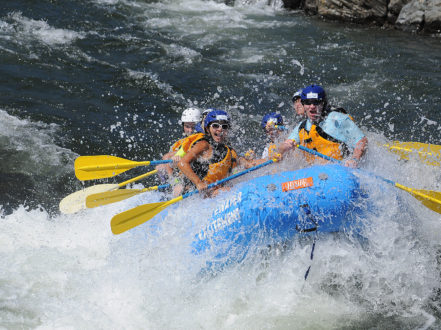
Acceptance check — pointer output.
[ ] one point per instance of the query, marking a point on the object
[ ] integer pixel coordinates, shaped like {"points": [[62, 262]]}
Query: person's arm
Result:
{"points": [[359, 151], [175, 156], [248, 163], [348, 132], [290, 143], [165, 170], [168, 155], [185, 164], [286, 146]]}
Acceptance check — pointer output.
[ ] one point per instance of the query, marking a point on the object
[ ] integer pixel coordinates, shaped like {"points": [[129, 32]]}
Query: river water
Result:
{"points": [[92, 77]]}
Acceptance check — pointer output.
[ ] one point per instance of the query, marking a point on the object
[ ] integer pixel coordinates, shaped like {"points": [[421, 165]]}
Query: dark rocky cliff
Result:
{"points": [[411, 15]]}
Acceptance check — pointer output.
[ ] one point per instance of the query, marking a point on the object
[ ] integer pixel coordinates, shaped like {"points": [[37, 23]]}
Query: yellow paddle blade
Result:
{"points": [[114, 196], [99, 167], [428, 153], [138, 215], [110, 197], [77, 200], [429, 198]]}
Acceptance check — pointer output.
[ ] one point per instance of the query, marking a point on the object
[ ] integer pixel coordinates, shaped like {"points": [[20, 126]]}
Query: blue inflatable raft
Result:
{"points": [[272, 209]]}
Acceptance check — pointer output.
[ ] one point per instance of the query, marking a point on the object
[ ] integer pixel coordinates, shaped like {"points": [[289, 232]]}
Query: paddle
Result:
{"points": [[428, 153], [138, 215], [429, 198], [77, 200], [99, 167], [114, 196]]}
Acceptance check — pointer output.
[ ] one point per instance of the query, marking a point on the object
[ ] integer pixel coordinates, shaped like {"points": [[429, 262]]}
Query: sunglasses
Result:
{"points": [[217, 125], [310, 102]]}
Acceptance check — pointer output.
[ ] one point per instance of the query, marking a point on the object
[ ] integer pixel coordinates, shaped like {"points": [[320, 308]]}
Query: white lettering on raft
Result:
{"points": [[220, 224], [224, 221], [231, 202]]}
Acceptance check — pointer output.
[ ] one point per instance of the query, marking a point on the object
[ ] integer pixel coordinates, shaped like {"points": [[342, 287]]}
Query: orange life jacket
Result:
{"points": [[318, 140], [177, 145], [216, 170], [222, 169], [186, 141], [189, 141]]}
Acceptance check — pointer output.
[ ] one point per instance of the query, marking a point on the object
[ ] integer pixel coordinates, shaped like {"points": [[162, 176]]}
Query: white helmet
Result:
{"points": [[191, 115]]}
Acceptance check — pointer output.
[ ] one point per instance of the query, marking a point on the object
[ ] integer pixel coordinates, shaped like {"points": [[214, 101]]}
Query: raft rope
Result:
{"points": [[312, 256], [309, 217]]}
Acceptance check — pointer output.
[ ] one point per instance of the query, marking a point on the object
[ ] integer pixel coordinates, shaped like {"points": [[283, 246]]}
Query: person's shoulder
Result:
{"points": [[201, 141], [336, 109], [177, 144], [337, 115]]}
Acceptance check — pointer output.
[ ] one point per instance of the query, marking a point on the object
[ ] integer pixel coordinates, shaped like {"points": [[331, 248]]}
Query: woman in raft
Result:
{"points": [[208, 157]]}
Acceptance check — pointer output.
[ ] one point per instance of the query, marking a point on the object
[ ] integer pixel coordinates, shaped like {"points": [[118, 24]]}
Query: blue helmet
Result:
{"points": [[273, 117], [216, 115], [313, 92], [297, 95], [198, 128]]}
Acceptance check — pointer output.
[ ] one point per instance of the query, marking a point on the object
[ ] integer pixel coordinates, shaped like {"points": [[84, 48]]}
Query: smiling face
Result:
{"points": [[219, 131], [188, 128], [298, 107], [272, 131]]}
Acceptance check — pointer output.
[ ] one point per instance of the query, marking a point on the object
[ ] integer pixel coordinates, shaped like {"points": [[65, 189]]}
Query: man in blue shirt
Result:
{"points": [[329, 132]]}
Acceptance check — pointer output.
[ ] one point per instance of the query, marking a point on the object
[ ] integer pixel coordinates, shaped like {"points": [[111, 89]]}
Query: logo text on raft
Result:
{"points": [[236, 199], [220, 223], [297, 184], [229, 213]]}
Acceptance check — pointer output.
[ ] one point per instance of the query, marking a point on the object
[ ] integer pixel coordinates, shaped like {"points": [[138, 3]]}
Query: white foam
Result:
{"points": [[26, 28], [70, 272], [33, 140]]}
